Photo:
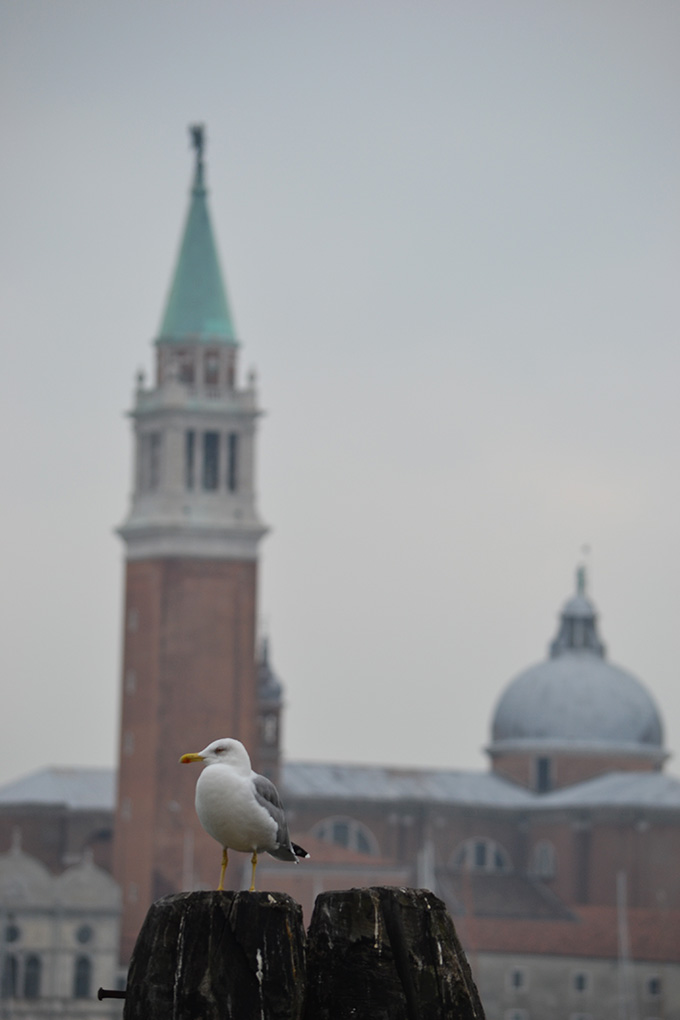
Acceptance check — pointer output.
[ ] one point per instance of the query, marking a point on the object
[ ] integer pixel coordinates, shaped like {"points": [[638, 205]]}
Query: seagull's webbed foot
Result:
{"points": [[253, 861], [225, 861]]}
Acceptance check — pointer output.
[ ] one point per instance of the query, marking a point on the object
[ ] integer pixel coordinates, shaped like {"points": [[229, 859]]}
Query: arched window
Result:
{"points": [[543, 860], [481, 854], [348, 833], [8, 979], [82, 978], [32, 975]]}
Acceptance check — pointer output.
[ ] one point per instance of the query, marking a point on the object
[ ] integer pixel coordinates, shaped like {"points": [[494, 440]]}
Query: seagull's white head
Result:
{"points": [[226, 751]]}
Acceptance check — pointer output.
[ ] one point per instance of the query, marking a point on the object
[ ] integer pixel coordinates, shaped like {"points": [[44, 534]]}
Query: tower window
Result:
{"points": [[232, 461], [185, 360], [211, 369], [211, 454], [270, 729], [189, 457], [151, 461]]}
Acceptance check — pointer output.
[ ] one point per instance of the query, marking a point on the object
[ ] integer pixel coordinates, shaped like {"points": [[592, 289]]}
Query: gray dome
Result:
{"points": [[576, 700]]}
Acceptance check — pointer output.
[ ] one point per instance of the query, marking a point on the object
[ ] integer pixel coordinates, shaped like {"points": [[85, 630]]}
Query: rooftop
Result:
{"points": [[77, 787], [94, 788]]}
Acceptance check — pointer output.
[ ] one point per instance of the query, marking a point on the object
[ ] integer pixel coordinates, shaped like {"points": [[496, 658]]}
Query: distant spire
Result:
{"points": [[581, 579], [269, 685], [197, 308]]}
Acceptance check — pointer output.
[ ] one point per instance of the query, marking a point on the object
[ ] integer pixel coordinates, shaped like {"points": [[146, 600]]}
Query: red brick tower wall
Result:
{"points": [[188, 678]]}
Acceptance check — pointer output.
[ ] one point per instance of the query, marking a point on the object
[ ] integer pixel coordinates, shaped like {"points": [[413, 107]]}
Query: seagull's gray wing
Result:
{"points": [[267, 796]]}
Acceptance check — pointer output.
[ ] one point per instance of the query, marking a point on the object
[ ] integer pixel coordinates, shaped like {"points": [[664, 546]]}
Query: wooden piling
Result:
{"points": [[218, 956], [386, 954], [371, 954]]}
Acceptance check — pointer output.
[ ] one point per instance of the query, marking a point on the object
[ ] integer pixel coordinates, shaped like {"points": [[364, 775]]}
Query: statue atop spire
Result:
{"points": [[197, 134]]}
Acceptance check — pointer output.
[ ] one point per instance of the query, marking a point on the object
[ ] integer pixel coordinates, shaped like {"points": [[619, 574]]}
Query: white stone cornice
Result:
{"points": [[157, 541]]}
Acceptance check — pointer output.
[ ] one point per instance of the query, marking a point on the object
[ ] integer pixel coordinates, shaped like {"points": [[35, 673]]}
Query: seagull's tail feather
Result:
{"points": [[288, 853]]}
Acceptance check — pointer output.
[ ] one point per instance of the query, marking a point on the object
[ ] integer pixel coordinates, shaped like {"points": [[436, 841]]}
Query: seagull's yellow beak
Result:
{"points": [[186, 759]]}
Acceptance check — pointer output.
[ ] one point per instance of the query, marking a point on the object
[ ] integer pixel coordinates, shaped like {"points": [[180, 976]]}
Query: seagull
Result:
{"points": [[239, 808]]}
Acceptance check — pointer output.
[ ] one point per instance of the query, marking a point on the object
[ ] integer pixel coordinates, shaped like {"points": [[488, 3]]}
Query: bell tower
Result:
{"points": [[191, 544]]}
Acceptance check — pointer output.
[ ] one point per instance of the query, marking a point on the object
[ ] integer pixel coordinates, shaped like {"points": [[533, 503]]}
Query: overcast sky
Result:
{"points": [[450, 234]]}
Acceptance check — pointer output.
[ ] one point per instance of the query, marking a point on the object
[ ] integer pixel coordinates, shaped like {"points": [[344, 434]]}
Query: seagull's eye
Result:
{"points": [[220, 750]]}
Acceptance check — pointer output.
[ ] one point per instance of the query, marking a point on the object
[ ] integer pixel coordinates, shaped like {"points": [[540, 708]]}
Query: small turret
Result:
{"points": [[269, 705]]}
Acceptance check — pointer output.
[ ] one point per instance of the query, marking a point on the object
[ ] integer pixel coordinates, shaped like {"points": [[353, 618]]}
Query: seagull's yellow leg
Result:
{"points": [[225, 861], [253, 861]]}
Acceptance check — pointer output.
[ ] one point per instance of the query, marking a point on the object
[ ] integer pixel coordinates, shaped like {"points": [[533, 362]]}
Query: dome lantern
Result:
{"points": [[578, 624]]}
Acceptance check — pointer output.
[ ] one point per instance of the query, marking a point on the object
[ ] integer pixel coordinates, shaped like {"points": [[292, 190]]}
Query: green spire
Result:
{"points": [[197, 307]]}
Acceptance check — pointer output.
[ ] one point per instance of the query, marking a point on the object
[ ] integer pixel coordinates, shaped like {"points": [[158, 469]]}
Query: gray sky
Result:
{"points": [[450, 237]]}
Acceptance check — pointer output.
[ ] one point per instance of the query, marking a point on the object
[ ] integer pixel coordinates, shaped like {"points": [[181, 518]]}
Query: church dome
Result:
{"points": [[576, 700]]}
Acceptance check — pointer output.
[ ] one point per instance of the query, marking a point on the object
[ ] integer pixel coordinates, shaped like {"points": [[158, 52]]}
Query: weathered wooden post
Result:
{"points": [[218, 956], [386, 954], [372, 954]]}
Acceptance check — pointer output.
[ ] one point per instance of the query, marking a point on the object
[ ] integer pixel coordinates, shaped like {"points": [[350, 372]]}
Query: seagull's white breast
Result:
{"points": [[229, 811]]}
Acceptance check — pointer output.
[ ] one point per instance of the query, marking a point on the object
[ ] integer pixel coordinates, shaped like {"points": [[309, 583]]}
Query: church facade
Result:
{"points": [[558, 864]]}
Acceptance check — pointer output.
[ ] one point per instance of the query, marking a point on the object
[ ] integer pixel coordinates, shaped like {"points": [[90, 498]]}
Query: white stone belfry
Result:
{"points": [[193, 489]]}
